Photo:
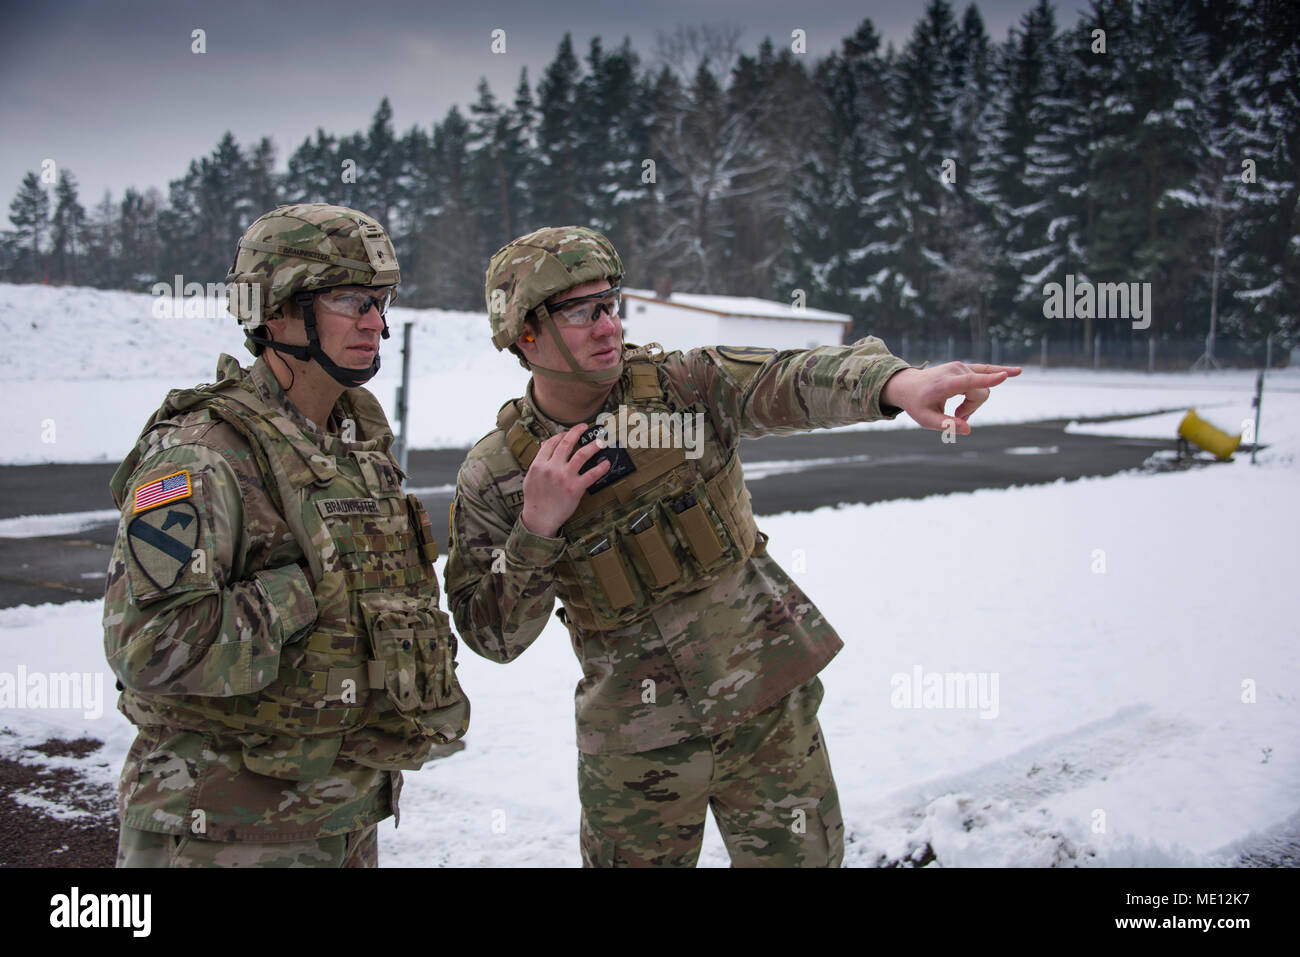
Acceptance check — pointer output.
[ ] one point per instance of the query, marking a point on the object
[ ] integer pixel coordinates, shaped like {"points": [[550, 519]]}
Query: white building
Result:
{"points": [[685, 320]]}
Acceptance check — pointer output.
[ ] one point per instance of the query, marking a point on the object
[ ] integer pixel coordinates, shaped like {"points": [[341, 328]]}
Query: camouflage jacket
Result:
{"points": [[175, 639], [703, 661]]}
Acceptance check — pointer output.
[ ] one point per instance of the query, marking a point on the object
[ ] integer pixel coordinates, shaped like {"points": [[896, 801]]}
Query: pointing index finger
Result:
{"points": [[980, 380]]}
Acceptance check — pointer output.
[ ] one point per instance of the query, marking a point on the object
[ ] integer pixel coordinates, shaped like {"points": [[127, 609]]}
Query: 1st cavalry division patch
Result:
{"points": [[162, 541]]}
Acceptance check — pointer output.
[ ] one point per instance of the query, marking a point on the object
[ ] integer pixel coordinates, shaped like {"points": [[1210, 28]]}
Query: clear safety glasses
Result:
{"points": [[585, 310], [355, 303]]}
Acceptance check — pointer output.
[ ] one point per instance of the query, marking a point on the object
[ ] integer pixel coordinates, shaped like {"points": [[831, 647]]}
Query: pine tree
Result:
{"points": [[556, 191], [455, 246], [420, 205], [766, 91], [831, 233], [613, 138], [494, 152], [522, 130], [69, 230], [348, 186], [1030, 171], [30, 213], [658, 239], [264, 189], [208, 210], [969, 247], [377, 194], [102, 250], [315, 171], [137, 233], [911, 208], [1263, 152], [1172, 146]]}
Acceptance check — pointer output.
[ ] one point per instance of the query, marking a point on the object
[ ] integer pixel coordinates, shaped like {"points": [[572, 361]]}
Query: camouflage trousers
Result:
{"points": [[768, 781], [137, 848]]}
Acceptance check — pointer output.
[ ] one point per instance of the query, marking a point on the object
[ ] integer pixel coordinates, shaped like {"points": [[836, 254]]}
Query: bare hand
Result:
{"points": [[552, 487], [922, 393]]}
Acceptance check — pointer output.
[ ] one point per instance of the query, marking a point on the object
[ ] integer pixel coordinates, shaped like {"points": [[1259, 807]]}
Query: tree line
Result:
{"points": [[932, 190]]}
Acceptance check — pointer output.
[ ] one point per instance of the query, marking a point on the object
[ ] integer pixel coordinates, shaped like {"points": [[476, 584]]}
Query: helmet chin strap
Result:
{"points": [[348, 378], [597, 377]]}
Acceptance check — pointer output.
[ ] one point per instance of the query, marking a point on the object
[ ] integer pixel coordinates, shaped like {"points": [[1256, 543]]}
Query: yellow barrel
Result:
{"points": [[1199, 432]]}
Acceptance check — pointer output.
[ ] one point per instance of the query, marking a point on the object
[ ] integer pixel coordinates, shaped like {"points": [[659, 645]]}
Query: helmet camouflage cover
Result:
{"points": [[529, 270], [302, 248]]}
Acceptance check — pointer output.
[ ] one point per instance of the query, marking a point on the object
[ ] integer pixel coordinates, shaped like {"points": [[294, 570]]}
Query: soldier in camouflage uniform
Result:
{"points": [[271, 610], [699, 655]]}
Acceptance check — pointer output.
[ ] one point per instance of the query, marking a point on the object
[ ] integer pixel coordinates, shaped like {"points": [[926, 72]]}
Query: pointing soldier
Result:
{"points": [[699, 655], [271, 610]]}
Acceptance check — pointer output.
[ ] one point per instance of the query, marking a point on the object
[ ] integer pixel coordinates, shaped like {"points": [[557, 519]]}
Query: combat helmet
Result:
{"points": [[526, 272], [293, 252]]}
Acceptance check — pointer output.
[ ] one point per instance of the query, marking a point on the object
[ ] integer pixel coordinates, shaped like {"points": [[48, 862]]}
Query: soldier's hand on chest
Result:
{"points": [[553, 486]]}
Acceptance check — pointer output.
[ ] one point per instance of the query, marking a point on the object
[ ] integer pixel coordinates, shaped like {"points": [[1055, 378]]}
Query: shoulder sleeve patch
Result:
{"points": [[163, 541], [162, 490], [167, 537], [755, 354]]}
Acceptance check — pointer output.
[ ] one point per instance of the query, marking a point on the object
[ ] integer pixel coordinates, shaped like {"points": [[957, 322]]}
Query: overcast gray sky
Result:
{"points": [[112, 91]]}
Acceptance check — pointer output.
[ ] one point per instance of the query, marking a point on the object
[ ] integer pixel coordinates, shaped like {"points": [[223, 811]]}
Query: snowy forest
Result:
{"points": [[930, 192]]}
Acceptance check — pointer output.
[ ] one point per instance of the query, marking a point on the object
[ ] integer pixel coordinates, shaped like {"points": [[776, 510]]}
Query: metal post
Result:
{"points": [[1044, 350], [403, 394], [1268, 352], [1151, 353], [1096, 351], [993, 353], [1259, 397], [1207, 360]]}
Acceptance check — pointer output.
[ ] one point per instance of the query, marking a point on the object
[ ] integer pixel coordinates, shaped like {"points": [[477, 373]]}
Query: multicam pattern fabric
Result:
{"points": [[535, 267], [768, 781], [705, 661], [230, 673], [136, 848]]}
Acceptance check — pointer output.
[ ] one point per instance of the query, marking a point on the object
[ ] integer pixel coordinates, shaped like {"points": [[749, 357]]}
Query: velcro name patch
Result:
{"points": [[348, 506]]}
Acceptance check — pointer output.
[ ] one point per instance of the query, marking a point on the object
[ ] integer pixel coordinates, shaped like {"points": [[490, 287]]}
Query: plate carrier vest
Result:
{"points": [[374, 681], [661, 531]]}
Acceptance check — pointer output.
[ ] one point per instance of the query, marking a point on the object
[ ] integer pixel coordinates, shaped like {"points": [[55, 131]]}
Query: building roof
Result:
{"points": [[746, 307]]}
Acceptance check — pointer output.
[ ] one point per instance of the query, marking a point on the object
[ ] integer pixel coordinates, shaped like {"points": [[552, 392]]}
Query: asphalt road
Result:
{"points": [[786, 473]]}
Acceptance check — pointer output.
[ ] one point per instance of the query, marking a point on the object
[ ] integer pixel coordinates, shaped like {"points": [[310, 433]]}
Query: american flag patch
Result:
{"points": [[166, 489]]}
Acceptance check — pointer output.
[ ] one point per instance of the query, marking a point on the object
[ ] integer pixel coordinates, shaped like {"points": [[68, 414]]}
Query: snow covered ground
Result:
{"points": [[1134, 638]]}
